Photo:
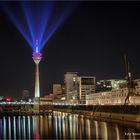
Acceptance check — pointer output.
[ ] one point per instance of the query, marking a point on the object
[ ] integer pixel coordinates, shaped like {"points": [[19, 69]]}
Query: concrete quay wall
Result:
{"points": [[107, 115], [104, 114]]}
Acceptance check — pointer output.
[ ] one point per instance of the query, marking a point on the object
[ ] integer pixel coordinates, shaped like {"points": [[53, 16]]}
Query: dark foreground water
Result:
{"points": [[64, 126]]}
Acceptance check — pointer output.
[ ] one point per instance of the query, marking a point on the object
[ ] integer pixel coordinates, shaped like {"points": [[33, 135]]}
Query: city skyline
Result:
{"points": [[92, 41]]}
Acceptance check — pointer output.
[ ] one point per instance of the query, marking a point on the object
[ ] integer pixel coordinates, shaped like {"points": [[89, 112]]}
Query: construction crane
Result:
{"points": [[130, 82]]}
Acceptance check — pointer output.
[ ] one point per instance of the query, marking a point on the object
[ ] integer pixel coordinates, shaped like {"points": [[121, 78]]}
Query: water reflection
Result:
{"points": [[96, 130], [64, 126]]}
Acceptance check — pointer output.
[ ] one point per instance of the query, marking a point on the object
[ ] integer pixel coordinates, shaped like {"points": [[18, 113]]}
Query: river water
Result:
{"points": [[64, 126]]}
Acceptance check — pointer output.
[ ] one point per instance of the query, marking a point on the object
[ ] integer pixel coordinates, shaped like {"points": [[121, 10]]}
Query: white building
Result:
{"points": [[86, 87], [71, 86], [114, 97], [77, 87]]}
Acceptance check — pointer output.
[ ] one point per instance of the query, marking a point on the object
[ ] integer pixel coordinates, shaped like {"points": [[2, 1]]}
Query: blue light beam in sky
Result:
{"points": [[18, 23], [38, 20]]}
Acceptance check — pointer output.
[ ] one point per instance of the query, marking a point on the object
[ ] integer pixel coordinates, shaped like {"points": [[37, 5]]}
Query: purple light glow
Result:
{"points": [[37, 21], [35, 54]]}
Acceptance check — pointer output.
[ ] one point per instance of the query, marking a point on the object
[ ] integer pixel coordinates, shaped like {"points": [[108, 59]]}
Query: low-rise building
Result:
{"points": [[57, 89], [114, 97], [108, 85]]}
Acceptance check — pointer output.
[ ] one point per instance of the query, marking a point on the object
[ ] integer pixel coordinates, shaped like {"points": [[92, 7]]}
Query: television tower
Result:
{"points": [[37, 57]]}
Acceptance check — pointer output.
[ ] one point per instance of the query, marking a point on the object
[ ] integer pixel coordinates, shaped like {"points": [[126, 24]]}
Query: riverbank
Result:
{"points": [[122, 113], [111, 112]]}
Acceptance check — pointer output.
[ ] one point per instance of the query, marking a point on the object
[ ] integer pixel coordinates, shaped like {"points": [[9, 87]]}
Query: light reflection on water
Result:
{"points": [[64, 126]]}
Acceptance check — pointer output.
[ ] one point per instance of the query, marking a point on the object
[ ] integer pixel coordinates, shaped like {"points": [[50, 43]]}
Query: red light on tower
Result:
{"points": [[7, 99]]}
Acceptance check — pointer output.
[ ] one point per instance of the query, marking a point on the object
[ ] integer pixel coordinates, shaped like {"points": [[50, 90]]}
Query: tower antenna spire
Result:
{"points": [[36, 45]]}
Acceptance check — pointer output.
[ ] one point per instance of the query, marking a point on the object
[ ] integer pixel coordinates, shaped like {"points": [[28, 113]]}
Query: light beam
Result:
{"points": [[38, 20]]}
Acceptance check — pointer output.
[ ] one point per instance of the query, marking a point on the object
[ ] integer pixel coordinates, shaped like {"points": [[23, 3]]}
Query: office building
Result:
{"points": [[71, 87], [86, 87]]}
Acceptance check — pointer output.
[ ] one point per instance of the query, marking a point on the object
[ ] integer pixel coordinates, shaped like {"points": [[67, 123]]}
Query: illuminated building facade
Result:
{"points": [[86, 87], [58, 93], [114, 97], [57, 89], [71, 86], [77, 87], [108, 85]]}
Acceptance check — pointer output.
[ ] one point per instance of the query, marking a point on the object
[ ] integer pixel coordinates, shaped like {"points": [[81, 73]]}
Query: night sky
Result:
{"points": [[92, 41]]}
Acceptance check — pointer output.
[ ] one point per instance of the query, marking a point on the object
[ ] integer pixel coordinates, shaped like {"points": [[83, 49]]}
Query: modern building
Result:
{"points": [[57, 89], [59, 94], [71, 87], [63, 88], [115, 97], [77, 87], [86, 87], [108, 85]]}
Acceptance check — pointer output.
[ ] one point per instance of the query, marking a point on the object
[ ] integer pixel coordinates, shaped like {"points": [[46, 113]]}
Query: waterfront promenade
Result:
{"points": [[115, 112]]}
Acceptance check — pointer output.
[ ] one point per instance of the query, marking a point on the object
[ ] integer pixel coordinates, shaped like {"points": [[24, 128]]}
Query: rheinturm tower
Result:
{"points": [[37, 57]]}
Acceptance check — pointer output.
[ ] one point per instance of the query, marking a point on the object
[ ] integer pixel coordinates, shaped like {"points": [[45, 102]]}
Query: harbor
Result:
{"points": [[128, 113]]}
